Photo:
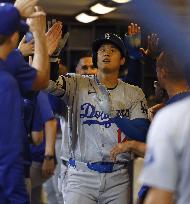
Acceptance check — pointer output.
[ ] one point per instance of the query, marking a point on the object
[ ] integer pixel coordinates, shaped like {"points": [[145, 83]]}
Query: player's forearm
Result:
{"points": [[157, 196], [50, 132], [37, 137], [139, 148], [41, 61], [135, 74]]}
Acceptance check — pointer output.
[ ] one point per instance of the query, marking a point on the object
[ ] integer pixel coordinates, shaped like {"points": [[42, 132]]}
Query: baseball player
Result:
{"points": [[18, 77], [92, 176], [34, 133], [173, 80], [12, 187], [43, 156], [168, 178], [25, 76], [55, 186]]}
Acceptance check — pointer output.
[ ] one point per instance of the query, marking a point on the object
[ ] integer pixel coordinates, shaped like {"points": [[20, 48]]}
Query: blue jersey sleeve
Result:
{"points": [[135, 75], [37, 120], [45, 107], [150, 66], [21, 70], [133, 129], [58, 105]]}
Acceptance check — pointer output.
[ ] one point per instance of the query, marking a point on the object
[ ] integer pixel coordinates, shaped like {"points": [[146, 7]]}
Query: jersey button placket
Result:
{"points": [[102, 132]]}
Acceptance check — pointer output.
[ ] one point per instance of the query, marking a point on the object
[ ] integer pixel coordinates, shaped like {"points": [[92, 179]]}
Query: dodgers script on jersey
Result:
{"points": [[90, 133]]}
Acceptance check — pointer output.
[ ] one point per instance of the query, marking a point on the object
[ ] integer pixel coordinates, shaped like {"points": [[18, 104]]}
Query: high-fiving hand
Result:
{"points": [[53, 37], [152, 48], [133, 41]]}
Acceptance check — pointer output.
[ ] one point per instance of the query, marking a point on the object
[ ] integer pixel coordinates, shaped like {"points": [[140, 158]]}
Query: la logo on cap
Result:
{"points": [[107, 36]]}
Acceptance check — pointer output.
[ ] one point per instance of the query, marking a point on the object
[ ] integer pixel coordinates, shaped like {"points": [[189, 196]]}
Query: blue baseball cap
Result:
{"points": [[10, 20], [107, 38]]}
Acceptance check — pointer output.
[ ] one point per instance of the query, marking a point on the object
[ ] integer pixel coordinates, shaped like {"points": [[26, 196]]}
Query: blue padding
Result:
{"points": [[133, 129]]}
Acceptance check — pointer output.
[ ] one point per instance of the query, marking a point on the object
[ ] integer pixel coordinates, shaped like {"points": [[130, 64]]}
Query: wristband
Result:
{"points": [[49, 157]]}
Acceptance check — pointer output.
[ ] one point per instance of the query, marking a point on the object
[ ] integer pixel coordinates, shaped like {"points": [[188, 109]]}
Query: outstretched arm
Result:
{"points": [[41, 58], [133, 129], [150, 53], [134, 65], [139, 148]]}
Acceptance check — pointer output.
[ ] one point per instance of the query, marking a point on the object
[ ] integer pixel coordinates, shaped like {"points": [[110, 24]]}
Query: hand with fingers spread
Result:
{"points": [[26, 48], [133, 41], [53, 37], [25, 7], [118, 149], [152, 49]]}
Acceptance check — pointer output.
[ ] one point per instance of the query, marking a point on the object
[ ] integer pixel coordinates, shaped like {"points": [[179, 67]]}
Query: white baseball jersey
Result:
{"points": [[167, 162], [90, 134]]}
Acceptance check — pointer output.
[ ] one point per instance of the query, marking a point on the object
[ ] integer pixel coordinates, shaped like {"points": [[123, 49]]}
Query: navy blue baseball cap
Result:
{"points": [[107, 38], [10, 20]]}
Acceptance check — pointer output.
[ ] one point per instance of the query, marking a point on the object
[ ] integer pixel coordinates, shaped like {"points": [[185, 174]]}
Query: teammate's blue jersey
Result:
{"points": [[37, 152], [24, 76], [58, 106], [12, 136], [21, 70], [12, 126], [32, 122]]}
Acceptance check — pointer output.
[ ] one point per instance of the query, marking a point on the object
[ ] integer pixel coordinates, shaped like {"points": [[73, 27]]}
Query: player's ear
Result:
{"points": [[14, 38], [122, 61], [163, 73]]}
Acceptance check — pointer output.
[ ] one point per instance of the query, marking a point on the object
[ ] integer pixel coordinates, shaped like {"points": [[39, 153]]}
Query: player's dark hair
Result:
{"points": [[172, 66], [86, 54], [82, 55], [3, 39]]}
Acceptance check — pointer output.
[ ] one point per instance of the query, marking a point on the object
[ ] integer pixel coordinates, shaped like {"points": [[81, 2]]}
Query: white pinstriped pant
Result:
{"points": [[91, 187]]}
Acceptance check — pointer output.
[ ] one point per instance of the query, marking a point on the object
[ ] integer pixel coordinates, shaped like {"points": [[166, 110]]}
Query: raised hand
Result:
{"points": [[134, 32], [25, 7], [26, 48], [53, 37], [152, 48], [133, 41], [37, 24]]}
